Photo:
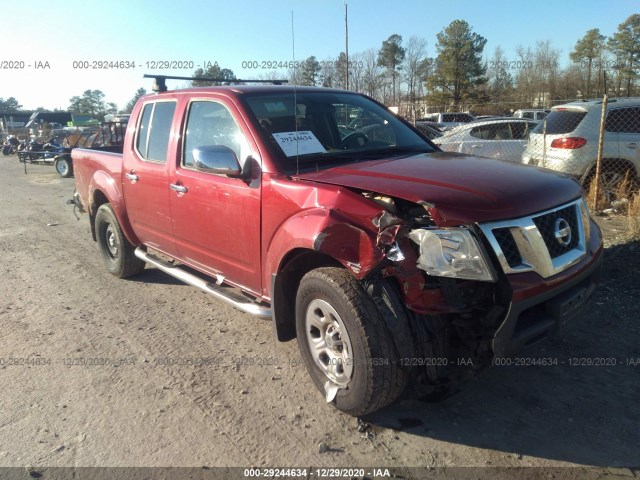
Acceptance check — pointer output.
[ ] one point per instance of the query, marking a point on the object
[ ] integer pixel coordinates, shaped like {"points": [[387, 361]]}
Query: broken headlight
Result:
{"points": [[452, 253]]}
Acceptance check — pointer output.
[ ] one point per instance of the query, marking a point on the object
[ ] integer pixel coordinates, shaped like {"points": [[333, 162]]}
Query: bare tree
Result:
{"points": [[500, 80], [356, 72], [372, 74], [414, 68]]}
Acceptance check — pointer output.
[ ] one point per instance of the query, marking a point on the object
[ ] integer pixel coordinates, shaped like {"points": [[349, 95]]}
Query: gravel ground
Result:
{"points": [[90, 374]]}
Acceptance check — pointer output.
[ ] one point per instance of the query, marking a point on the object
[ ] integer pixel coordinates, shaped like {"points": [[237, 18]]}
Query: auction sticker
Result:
{"points": [[298, 143]]}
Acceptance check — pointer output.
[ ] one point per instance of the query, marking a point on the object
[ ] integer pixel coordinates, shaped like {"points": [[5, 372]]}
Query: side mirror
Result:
{"points": [[217, 159]]}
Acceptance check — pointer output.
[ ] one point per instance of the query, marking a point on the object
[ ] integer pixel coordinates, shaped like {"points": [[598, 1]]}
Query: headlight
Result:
{"points": [[452, 253]]}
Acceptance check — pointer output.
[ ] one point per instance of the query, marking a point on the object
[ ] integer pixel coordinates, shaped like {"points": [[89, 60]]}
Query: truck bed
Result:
{"points": [[91, 165]]}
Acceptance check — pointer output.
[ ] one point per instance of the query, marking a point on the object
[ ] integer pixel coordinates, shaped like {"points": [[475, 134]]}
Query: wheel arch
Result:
{"points": [[102, 190], [284, 286], [622, 162]]}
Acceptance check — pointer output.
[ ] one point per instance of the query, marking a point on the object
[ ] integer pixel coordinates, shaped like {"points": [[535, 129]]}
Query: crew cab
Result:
{"points": [[392, 263]]}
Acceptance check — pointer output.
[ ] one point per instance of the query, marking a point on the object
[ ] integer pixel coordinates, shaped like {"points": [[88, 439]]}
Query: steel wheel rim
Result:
{"points": [[329, 342], [111, 242], [61, 167]]}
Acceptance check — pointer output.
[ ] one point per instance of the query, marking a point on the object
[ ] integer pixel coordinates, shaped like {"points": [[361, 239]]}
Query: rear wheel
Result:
{"points": [[117, 252], [347, 349], [616, 181]]}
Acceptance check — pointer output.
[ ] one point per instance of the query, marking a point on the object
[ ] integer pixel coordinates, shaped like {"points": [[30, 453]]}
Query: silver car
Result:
{"points": [[567, 141], [502, 138]]}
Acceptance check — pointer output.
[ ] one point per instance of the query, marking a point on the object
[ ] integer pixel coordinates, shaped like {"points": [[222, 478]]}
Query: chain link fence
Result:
{"points": [[595, 141]]}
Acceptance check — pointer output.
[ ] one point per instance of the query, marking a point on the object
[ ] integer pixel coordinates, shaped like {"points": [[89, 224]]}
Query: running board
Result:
{"points": [[234, 299]]}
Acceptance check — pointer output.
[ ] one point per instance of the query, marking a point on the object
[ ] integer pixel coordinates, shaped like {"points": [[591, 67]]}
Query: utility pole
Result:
{"points": [[346, 46]]}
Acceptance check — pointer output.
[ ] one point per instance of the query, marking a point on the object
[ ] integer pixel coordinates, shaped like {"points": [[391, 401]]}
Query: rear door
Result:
{"points": [[485, 140], [511, 149], [626, 123], [146, 178], [217, 218]]}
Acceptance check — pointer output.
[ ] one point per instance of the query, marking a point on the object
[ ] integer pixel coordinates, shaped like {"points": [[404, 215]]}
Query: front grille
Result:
{"points": [[508, 246], [547, 226], [547, 243]]}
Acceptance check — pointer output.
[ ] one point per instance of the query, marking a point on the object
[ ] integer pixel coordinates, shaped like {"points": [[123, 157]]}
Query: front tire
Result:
{"points": [[117, 252], [345, 344]]}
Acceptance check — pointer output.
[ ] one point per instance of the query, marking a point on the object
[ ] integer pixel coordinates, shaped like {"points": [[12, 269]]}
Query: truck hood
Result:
{"points": [[463, 189]]}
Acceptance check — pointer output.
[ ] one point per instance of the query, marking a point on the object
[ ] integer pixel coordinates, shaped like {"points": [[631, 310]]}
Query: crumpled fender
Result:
{"points": [[328, 232], [103, 182]]}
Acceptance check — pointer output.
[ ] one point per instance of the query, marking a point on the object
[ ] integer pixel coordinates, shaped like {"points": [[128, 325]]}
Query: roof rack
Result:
{"points": [[161, 86]]}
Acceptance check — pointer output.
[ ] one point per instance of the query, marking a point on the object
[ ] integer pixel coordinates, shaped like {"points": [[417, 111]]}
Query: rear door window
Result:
{"points": [[623, 120], [492, 132], [561, 121], [143, 130], [520, 130], [154, 131]]}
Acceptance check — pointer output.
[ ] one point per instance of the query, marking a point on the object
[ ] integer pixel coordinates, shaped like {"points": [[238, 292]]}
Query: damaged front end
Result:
{"points": [[438, 291]]}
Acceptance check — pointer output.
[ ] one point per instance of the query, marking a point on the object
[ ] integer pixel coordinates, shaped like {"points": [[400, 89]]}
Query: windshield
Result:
{"points": [[330, 128]]}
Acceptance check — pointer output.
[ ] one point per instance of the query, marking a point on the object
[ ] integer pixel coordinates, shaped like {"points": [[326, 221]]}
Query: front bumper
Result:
{"points": [[531, 319]]}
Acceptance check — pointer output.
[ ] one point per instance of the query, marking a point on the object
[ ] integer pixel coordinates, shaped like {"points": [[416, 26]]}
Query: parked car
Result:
{"points": [[531, 113], [390, 261], [572, 132], [448, 120], [504, 139], [429, 129]]}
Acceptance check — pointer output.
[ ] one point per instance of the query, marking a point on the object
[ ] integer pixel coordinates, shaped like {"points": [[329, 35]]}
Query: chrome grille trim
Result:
{"points": [[533, 250]]}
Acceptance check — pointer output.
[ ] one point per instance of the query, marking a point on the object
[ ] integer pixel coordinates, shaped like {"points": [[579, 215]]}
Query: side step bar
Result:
{"points": [[234, 299]]}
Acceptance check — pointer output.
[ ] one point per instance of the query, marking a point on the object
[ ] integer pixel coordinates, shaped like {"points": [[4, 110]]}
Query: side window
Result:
{"points": [[160, 130], [492, 132], [624, 120], [520, 130], [527, 115], [485, 133], [143, 130], [462, 118], [210, 123], [154, 130]]}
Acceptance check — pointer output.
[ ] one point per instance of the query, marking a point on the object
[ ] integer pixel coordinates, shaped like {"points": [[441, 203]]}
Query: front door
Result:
{"points": [[217, 218]]}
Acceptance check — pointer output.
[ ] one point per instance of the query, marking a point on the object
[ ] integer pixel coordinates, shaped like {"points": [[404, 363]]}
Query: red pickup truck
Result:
{"points": [[391, 262]]}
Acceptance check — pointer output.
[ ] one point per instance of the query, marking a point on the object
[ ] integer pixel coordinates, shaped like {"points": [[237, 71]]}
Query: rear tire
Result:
{"points": [[117, 252], [345, 343], [615, 179]]}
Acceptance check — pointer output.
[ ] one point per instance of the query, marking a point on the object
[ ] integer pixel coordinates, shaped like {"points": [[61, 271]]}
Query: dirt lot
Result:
{"points": [[62, 316]]}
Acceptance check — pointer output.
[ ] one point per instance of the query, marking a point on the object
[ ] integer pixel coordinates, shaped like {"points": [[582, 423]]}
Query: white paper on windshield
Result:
{"points": [[298, 143]]}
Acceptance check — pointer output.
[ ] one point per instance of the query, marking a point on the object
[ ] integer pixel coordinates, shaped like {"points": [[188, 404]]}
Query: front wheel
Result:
{"points": [[345, 345], [116, 250], [63, 166]]}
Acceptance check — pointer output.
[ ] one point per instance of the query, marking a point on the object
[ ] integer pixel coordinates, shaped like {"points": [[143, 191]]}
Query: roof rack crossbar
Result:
{"points": [[160, 84]]}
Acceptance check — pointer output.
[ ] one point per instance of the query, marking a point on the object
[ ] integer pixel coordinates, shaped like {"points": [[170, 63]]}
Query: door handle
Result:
{"points": [[178, 188], [632, 145], [132, 176]]}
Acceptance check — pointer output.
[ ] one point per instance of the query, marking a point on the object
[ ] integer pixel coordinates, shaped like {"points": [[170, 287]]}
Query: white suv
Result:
{"points": [[571, 144]]}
